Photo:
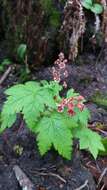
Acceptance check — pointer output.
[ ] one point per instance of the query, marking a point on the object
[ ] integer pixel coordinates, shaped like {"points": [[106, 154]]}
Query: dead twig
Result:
{"points": [[102, 187], [82, 186], [2, 79], [51, 174], [101, 176]]}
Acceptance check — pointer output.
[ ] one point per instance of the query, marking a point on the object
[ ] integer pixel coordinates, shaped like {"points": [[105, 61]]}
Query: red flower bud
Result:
{"points": [[71, 112], [70, 106]]}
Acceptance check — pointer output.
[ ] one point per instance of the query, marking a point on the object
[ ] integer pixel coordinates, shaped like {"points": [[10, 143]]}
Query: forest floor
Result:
{"points": [[51, 172]]}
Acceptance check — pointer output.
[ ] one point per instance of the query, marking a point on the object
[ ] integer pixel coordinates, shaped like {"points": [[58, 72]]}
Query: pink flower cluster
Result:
{"points": [[59, 70], [70, 104]]}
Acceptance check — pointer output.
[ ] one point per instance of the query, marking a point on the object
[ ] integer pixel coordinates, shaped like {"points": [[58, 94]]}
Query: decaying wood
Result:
{"points": [[23, 180], [73, 26]]}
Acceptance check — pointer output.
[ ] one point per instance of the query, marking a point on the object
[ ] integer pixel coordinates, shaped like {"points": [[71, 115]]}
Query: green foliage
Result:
{"points": [[71, 93], [100, 99], [52, 12], [4, 63], [104, 141], [89, 140], [38, 103], [53, 130], [21, 51], [96, 8]]}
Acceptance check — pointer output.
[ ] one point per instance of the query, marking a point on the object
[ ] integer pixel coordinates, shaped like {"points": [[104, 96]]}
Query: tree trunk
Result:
{"points": [[35, 23]]}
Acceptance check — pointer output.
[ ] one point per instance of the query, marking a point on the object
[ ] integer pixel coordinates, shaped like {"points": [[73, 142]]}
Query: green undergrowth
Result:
{"points": [[100, 99], [52, 12], [55, 120]]}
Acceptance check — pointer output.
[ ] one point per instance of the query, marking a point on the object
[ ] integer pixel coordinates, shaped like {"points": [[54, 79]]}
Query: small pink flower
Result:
{"points": [[80, 106], [56, 75], [71, 99], [62, 65], [65, 61], [57, 62], [66, 73], [80, 98], [60, 108], [57, 79], [61, 56], [64, 84], [59, 69], [64, 102]]}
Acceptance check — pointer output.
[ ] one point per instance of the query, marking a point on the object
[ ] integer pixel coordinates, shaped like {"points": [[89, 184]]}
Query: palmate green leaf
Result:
{"points": [[53, 86], [7, 121], [83, 116], [89, 140], [79, 119], [30, 99], [71, 93], [53, 130], [104, 141]]}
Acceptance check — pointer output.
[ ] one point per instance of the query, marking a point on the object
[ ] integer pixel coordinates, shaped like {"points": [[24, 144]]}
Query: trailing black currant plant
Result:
{"points": [[93, 6], [55, 120]]}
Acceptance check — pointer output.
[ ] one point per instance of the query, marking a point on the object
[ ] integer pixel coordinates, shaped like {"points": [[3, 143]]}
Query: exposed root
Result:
{"points": [[82, 186]]}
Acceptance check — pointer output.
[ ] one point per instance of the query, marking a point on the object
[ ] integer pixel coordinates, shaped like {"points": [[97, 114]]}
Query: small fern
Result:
{"points": [[54, 119]]}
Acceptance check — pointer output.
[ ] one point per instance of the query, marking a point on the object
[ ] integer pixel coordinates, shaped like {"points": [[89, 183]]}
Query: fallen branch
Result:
{"points": [[2, 79], [51, 174], [82, 186], [23, 180], [101, 176]]}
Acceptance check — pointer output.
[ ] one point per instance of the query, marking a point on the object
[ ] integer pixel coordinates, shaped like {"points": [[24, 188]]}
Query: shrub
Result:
{"points": [[55, 120]]}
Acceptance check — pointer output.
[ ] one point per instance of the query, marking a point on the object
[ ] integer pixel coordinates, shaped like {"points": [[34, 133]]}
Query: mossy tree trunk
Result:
{"points": [[35, 23]]}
